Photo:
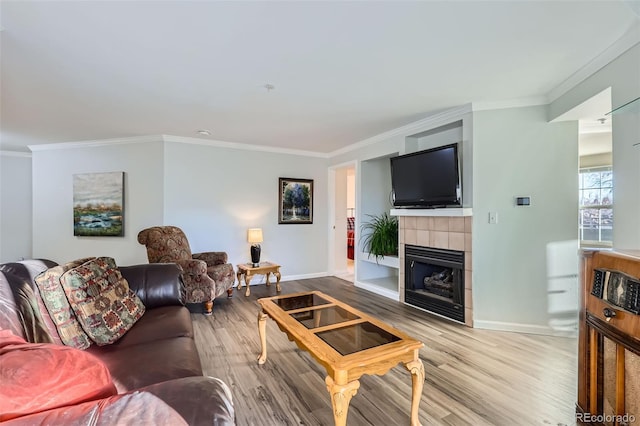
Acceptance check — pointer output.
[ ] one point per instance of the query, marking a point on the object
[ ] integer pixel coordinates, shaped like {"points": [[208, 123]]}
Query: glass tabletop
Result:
{"points": [[357, 337], [299, 302], [324, 316]]}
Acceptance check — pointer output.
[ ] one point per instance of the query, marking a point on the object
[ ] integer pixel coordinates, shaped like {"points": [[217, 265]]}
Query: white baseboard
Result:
{"points": [[260, 279], [523, 328]]}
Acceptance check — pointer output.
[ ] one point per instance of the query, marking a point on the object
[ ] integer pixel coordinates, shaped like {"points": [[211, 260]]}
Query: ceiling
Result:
{"points": [[341, 72]]}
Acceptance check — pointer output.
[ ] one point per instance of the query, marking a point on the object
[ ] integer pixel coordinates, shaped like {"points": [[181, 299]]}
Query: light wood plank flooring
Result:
{"points": [[473, 377]]}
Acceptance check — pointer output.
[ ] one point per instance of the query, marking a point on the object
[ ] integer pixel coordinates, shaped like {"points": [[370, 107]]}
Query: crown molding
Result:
{"points": [[175, 139], [620, 46], [510, 103], [19, 154], [426, 123], [242, 146], [95, 143]]}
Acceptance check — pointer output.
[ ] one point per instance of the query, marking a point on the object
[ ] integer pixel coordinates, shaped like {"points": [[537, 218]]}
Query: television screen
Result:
{"points": [[428, 178]]}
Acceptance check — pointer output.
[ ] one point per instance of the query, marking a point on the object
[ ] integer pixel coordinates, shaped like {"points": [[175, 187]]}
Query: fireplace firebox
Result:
{"points": [[434, 280]]}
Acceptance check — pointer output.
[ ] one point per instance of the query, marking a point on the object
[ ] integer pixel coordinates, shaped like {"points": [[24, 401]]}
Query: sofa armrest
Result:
{"points": [[156, 284], [199, 400], [212, 258]]}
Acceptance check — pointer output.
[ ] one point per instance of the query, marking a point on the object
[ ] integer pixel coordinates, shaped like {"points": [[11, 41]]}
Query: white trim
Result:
{"points": [[624, 43], [510, 103], [388, 261], [243, 146], [331, 210], [174, 139], [15, 154], [426, 123], [94, 143], [522, 328], [453, 211], [261, 280], [331, 223]]}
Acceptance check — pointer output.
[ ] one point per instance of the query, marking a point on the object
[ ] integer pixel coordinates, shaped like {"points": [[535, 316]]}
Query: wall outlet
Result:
{"points": [[493, 218]]}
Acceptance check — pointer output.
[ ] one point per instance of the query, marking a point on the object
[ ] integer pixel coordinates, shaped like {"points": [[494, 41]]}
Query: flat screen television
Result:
{"points": [[427, 179]]}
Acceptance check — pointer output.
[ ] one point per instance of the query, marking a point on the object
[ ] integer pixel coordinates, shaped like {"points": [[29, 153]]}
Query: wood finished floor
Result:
{"points": [[472, 377]]}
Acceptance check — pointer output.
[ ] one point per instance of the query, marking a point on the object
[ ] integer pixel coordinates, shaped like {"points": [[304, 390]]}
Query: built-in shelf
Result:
{"points": [[386, 286], [389, 261], [456, 211]]}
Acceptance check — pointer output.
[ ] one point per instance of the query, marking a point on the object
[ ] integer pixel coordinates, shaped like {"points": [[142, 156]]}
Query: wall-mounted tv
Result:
{"points": [[427, 179]]}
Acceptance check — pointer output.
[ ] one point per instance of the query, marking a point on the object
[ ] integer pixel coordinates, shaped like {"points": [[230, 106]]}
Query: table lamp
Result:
{"points": [[254, 236]]}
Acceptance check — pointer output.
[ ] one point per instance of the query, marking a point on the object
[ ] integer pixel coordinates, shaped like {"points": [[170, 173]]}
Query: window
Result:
{"points": [[596, 205]]}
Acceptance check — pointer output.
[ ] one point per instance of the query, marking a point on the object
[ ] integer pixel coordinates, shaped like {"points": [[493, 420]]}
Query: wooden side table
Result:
{"points": [[248, 271]]}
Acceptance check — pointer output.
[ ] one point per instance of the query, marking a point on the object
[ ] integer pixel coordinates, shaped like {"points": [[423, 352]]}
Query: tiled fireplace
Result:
{"points": [[438, 232]]}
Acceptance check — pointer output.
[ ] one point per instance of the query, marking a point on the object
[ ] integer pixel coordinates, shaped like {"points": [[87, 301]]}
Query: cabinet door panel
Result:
{"points": [[609, 368], [632, 384]]}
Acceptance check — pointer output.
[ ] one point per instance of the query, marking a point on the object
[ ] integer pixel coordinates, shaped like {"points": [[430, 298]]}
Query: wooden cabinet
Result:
{"points": [[609, 339]]}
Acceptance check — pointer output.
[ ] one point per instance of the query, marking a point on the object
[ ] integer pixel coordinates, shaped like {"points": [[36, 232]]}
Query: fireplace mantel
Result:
{"points": [[449, 212]]}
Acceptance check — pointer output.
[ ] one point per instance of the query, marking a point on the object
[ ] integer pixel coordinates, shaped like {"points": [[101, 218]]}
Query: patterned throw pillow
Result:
{"points": [[55, 300], [101, 299]]}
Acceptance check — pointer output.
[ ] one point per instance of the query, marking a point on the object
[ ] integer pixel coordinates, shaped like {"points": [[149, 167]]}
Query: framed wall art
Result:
{"points": [[295, 201], [98, 204]]}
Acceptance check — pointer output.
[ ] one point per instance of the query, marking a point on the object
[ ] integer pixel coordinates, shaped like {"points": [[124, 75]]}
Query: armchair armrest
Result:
{"points": [[156, 284], [212, 258]]}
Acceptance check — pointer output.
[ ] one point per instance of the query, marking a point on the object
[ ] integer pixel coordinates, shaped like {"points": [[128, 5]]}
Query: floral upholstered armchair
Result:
{"points": [[206, 275]]}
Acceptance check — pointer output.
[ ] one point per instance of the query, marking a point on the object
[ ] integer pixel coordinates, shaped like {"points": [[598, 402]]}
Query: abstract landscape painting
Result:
{"points": [[98, 204]]}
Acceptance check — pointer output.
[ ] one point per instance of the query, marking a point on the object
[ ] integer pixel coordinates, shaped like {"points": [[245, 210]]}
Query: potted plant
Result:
{"points": [[380, 235]]}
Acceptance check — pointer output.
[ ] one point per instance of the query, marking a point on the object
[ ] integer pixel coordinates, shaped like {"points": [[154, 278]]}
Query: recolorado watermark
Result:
{"points": [[620, 419]]}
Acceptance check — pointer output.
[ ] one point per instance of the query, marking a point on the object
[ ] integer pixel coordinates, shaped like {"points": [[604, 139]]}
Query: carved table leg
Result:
{"points": [[239, 277], [340, 397], [277, 274], [417, 381], [266, 278], [230, 292], [262, 328], [247, 280]]}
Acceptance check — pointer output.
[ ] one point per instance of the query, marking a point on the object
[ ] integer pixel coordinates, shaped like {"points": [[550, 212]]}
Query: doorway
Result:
{"points": [[343, 246]]}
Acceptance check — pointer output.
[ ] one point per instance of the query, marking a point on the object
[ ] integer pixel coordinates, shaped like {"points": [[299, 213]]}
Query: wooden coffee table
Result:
{"points": [[345, 341], [248, 271]]}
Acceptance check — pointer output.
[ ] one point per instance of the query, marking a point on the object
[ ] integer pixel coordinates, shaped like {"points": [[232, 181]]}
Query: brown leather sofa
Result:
{"points": [[157, 356]]}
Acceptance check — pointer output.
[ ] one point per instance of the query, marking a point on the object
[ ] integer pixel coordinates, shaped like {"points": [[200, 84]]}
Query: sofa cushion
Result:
{"points": [[161, 323], [41, 376], [36, 321], [136, 408], [101, 299], [55, 299], [156, 284], [179, 395], [134, 366]]}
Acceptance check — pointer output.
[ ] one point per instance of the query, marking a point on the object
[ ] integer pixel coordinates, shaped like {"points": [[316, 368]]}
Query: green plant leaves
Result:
{"points": [[380, 235]]}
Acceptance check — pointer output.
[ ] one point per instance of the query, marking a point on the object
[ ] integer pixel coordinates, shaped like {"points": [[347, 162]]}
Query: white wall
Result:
{"points": [[339, 228], [351, 189], [15, 206], [53, 171], [621, 75], [518, 153], [215, 194]]}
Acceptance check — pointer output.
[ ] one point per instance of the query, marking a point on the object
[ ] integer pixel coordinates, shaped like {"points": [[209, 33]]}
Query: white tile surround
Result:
{"points": [[445, 232]]}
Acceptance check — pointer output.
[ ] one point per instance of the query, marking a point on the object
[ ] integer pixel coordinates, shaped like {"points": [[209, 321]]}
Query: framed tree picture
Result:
{"points": [[98, 204], [295, 201]]}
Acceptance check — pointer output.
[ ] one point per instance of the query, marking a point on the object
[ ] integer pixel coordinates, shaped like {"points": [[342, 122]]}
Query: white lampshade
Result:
{"points": [[254, 235]]}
